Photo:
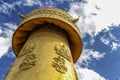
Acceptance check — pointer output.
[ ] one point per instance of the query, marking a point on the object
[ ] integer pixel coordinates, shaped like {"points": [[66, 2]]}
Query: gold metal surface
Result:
{"points": [[51, 15], [43, 56]]}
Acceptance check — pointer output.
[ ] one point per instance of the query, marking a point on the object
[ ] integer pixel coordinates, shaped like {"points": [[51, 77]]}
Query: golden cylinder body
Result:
{"points": [[46, 55]]}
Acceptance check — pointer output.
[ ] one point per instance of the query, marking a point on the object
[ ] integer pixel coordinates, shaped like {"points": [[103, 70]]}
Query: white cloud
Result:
{"points": [[104, 40], [0, 31], [40, 3], [85, 24], [108, 13], [88, 74], [110, 41], [87, 55], [115, 46], [50, 3], [95, 15], [31, 2], [6, 7], [10, 28], [10, 25], [5, 43], [113, 37]]}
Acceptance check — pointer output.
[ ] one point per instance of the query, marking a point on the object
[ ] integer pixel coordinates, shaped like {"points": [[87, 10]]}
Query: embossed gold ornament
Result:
{"points": [[28, 62], [61, 50], [28, 48], [59, 64]]}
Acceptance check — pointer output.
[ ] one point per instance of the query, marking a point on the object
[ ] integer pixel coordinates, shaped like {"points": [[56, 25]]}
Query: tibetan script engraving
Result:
{"points": [[59, 64], [61, 50], [28, 48], [28, 62]]}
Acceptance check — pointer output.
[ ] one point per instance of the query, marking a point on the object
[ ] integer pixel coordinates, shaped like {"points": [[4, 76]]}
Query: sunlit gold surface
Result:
{"points": [[41, 59]]}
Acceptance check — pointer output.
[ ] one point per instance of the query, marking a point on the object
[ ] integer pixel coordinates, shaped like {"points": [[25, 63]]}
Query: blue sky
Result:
{"points": [[99, 25]]}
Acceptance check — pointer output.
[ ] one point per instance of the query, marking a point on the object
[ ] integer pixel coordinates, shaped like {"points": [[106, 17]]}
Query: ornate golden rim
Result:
{"points": [[51, 15]]}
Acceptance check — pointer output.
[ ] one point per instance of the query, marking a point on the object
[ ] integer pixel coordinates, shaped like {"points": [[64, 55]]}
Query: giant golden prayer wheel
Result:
{"points": [[46, 43]]}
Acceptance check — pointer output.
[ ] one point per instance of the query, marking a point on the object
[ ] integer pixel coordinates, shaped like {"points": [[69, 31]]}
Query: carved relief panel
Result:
{"points": [[28, 48], [59, 64], [28, 62], [63, 55], [61, 50], [30, 59]]}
